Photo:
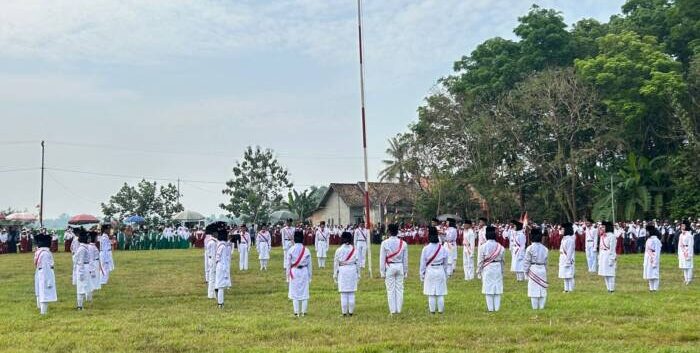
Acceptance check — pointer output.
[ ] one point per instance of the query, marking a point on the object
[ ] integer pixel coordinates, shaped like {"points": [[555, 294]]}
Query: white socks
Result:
{"points": [[43, 308], [80, 300], [263, 265], [347, 302], [321, 262], [538, 303], [654, 284], [493, 302]]}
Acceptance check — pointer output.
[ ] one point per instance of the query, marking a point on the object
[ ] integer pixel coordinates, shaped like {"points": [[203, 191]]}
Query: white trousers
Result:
{"points": [[361, 253], [394, 287], [538, 303], [263, 264], [468, 265], [220, 295], [300, 306], [688, 275], [493, 302], [654, 284], [610, 283], [243, 257], [592, 259], [568, 284], [436, 301], [347, 302], [321, 262]]}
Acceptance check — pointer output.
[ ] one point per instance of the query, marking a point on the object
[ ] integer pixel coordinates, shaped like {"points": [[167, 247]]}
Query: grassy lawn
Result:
{"points": [[156, 302]]}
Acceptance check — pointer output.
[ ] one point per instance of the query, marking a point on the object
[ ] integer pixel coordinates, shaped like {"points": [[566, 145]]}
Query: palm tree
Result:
{"points": [[396, 168], [301, 203]]}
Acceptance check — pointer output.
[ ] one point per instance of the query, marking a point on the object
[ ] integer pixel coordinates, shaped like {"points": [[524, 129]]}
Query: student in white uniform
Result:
{"points": [[361, 239], [82, 268], [450, 245], [346, 273], [243, 248], [299, 274], [591, 234], [95, 268], [652, 258], [222, 265], [481, 236], [536, 269], [468, 246], [567, 257], [393, 267], [44, 277], [685, 252], [287, 234], [490, 269], [321, 239], [263, 242], [106, 260], [517, 251], [607, 258], [434, 269], [210, 244]]}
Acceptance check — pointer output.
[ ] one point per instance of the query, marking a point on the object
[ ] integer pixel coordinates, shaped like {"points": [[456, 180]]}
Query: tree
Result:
{"points": [[545, 41], [256, 187], [146, 199], [396, 168], [302, 203]]}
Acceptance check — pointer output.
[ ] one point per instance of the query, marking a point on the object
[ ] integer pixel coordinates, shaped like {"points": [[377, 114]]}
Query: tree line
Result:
{"points": [[553, 122]]}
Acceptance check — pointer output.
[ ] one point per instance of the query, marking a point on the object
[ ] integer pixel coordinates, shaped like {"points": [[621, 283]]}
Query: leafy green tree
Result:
{"points": [[146, 199], [545, 42], [256, 187], [302, 203]]}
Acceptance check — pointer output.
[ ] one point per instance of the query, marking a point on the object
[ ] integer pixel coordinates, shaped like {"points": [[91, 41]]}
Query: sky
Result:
{"points": [[176, 89]]}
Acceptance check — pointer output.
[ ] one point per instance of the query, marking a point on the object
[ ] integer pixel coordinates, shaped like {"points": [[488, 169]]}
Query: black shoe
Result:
{"points": [[79, 308], [350, 314], [220, 306]]}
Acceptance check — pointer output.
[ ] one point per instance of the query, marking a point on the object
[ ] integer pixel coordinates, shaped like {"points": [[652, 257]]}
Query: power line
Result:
{"points": [[201, 153], [19, 169], [111, 175], [69, 191]]}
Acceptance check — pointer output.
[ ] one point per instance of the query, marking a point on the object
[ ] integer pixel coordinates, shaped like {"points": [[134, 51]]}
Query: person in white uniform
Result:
{"points": [[591, 233], [652, 258], [299, 274], [607, 257], [434, 269], [393, 267], [468, 246], [490, 269], [536, 269], [106, 260], [222, 265], [263, 242], [95, 268], [287, 233], [82, 268], [450, 245], [346, 273], [210, 245], [481, 236], [44, 277], [243, 248], [321, 239], [361, 236], [567, 257], [685, 252], [517, 250]]}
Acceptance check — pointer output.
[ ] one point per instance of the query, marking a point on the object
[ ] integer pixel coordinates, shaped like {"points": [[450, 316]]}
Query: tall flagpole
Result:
{"points": [[368, 223], [41, 198]]}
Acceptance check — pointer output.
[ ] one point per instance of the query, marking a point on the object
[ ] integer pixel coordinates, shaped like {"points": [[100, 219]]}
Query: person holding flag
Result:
{"points": [[346, 273], [434, 269]]}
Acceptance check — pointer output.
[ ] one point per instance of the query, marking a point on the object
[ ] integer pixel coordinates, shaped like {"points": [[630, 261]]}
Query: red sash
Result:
{"points": [[37, 257], [537, 279], [296, 263], [390, 256], [352, 252], [437, 251], [491, 258]]}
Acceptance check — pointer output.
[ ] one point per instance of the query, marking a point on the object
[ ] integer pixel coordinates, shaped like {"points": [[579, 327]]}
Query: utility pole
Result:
{"points": [[368, 222], [41, 198], [178, 190]]}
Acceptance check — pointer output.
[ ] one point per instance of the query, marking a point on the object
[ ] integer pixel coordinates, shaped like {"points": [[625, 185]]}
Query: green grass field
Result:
{"points": [[156, 302]]}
